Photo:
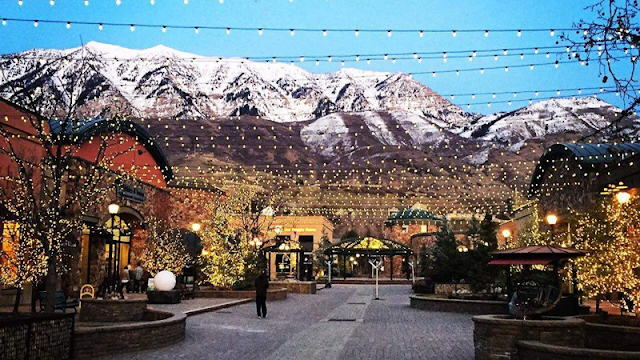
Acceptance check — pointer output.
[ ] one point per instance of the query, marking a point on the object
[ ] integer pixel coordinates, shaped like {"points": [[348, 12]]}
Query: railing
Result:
{"points": [[36, 336]]}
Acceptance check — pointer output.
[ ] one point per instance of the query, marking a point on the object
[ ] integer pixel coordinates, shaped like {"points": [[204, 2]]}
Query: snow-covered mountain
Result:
{"points": [[335, 114], [163, 82]]}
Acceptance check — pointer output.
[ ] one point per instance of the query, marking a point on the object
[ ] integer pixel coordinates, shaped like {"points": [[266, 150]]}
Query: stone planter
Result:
{"points": [[474, 307], [297, 287], [272, 294], [612, 332], [101, 310], [450, 288], [163, 297], [496, 336], [157, 329], [536, 350]]}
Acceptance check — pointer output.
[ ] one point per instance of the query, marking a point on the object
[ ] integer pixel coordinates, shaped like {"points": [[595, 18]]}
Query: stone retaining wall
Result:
{"points": [[162, 328], [99, 310], [272, 294], [497, 336], [297, 287], [612, 332], [536, 350], [474, 307]]}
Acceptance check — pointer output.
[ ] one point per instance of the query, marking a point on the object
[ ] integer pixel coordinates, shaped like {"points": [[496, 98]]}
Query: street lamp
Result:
{"points": [[111, 270], [552, 220], [623, 197], [196, 227]]}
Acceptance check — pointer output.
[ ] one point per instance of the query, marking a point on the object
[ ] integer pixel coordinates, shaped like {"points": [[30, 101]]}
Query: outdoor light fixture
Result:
{"points": [[551, 219], [114, 209], [195, 227], [623, 197], [506, 233]]}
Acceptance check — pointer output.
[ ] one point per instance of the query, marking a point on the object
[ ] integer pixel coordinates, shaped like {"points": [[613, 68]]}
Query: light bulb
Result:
{"points": [[317, 62], [20, 2], [118, 2], [357, 32], [133, 27], [486, 33], [415, 56], [386, 57], [421, 33], [389, 33], [329, 59], [99, 26], [153, 2], [521, 56], [68, 25], [228, 31], [35, 23], [552, 33], [471, 58], [221, 1], [420, 60], [519, 33], [506, 69], [481, 71], [536, 51], [52, 2], [433, 74], [368, 61], [324, 32], [164, 29], [301, 58], [495, 57], [454, 33], [505, 52], [197, 31], [186, 2], [86, 2], [531, 66], [4, 22], [342, 63], [260, 31]]}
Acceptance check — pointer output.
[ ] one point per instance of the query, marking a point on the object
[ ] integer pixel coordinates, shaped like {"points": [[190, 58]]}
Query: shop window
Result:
{"points": [[423, 228], [283, 263], [121, 239], [10, 234]]}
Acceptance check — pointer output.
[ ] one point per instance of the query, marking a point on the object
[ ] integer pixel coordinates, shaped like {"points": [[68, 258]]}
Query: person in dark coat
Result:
{"points": [[262, 284]]}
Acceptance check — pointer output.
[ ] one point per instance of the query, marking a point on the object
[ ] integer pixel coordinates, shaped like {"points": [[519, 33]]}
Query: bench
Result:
{"points": [[60, 302]]}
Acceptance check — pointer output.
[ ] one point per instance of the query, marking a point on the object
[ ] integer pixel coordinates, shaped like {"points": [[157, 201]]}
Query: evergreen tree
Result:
{"points": [[447, 260], [479, 274]]}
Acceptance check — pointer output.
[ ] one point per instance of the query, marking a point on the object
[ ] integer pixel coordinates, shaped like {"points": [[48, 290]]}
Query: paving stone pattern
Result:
{"points": [[343, 322]]}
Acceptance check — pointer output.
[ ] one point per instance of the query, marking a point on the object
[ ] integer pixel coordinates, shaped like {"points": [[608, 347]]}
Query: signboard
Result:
{"points": [[130, 192]]}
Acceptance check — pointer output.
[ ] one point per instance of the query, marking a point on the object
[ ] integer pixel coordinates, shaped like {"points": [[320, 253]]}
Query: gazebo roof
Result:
{"points": [[368, 245], [534, 255]]}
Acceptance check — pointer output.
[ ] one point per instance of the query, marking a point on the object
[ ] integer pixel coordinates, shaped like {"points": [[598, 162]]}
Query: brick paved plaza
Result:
{"points": [[343, 322]]}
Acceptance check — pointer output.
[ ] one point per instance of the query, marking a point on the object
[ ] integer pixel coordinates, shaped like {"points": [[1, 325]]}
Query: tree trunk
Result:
{"points": [[34, 295], [51, 282], [16, 305]]}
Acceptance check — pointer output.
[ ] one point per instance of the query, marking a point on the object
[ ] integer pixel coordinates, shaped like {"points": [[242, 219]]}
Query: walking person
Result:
{"points": [[262, 284], [137, 277], [124, 280]]}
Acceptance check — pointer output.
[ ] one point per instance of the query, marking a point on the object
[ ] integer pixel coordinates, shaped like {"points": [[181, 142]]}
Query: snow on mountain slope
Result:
{"points": [[556, 116], [163, 82]]}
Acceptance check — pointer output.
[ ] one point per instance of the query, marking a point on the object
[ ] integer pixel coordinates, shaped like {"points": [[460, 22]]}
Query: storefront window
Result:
{"points": [[283, 263], [121, 240]]}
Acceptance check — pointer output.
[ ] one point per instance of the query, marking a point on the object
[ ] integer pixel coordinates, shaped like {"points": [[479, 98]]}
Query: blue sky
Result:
{"points": [[351, 14]]}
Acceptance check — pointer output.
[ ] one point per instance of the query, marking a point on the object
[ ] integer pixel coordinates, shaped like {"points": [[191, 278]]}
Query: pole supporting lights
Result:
{"points": [[111, 270]]}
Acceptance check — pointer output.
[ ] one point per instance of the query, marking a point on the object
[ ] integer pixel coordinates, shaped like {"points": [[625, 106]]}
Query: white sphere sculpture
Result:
{"points": [[164, 281]]}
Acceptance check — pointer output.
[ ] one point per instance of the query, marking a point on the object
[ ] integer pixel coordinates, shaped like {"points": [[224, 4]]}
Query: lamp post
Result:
{"points": [[113, 210], [552, 219]]}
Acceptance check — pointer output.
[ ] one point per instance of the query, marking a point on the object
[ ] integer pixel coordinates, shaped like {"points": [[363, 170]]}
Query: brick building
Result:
{"points": [[147, 192]]}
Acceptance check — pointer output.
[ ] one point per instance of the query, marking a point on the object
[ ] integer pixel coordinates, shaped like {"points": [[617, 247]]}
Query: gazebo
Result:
{"points": [[368, 247], [533, 255]]}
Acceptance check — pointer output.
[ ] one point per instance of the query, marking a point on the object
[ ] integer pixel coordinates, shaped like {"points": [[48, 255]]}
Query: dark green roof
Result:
{"points": [[412, 214], [592, 156]]}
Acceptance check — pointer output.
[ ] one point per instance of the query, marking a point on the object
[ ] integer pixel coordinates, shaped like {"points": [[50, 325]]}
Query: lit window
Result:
{"points": [[423, 228], [10, 235], [405, 229]]}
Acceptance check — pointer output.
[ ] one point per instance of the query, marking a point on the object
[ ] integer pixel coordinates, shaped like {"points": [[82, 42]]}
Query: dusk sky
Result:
{"points": [[343, 14]]}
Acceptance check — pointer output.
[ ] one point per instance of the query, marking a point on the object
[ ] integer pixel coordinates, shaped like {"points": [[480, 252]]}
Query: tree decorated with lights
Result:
{"points": [[164, 249], [45, 187], [22, 258], [606, 233], [533, 234]]}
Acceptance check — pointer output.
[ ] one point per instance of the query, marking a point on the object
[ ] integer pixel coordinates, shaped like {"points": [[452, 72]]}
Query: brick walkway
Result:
{"points": [[343, 322]]}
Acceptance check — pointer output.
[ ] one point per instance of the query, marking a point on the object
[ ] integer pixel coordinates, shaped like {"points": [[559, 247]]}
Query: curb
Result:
{"points": [[216, 307]]}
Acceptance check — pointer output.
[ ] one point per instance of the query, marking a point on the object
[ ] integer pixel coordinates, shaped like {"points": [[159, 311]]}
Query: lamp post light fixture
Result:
{"points": [[623, 197], [552, 219], [196, 227], [506, 233], [111, 266]]}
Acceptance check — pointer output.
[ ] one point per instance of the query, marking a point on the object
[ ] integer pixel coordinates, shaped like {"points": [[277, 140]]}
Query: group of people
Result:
{"points": [[134, 279]]}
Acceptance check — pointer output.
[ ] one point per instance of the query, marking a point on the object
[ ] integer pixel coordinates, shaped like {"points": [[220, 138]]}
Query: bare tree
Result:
{"points": [[610, 38]]}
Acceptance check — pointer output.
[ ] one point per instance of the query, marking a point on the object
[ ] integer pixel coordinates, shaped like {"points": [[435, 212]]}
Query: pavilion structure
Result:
{"points": [[368, 247]]}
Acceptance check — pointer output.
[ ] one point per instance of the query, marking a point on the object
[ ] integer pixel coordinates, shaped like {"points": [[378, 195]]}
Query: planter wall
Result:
{"points": [[474, 307], [536, 350], [100, 310], [36, 336], [272, 294], [612, 332], [160, 328], [497, 336], [297, 287]]}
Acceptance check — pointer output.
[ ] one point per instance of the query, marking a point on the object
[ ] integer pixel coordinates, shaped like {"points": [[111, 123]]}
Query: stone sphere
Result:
{"points": [[164, 281]]}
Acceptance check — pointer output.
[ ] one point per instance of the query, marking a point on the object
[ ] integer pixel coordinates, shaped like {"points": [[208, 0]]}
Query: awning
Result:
{"points": [[533, 261]]}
